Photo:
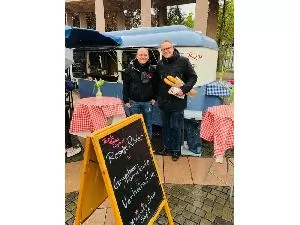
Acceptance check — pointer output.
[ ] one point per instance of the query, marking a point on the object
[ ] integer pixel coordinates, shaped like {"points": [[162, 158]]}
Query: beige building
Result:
{"points": [[107, 11]]}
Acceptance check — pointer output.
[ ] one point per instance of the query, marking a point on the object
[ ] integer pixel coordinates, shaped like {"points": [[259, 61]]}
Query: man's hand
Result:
{"points": [[152, 101], [127, 105], [180, 93], [176, 91]]}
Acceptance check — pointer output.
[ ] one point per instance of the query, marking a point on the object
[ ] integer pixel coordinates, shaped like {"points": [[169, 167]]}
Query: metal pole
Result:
{"points": [[221, 35]]}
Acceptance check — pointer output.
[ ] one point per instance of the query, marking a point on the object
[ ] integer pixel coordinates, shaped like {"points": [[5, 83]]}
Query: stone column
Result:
{"points": [[146, 13], [212, 21], [69, 20], [99, 12], [87, 65], [120, 68], [120, 18], [162, 16], [82, 20], [201, 14]]}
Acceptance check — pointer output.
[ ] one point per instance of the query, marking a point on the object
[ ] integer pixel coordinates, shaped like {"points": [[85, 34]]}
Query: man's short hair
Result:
{"points": [[168, 42], [142, 48]]}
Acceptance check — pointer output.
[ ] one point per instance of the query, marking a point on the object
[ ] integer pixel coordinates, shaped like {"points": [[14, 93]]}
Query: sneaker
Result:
{"points": [[175, 156], [68, 149], [73, 151], [161, 152]]}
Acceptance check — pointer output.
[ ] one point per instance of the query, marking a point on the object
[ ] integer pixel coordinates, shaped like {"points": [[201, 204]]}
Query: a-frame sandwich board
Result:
{"points": [[119, 164]]}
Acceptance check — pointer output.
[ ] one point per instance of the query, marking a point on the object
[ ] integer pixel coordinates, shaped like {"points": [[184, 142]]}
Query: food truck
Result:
{"points": [[108, 62]]}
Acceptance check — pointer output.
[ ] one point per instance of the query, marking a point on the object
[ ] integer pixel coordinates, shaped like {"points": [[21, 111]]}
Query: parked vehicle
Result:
{"points": [[201, 50]]}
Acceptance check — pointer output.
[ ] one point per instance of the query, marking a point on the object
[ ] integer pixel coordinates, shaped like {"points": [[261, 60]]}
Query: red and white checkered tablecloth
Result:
{"points": [[218, 126], [91, 114]]}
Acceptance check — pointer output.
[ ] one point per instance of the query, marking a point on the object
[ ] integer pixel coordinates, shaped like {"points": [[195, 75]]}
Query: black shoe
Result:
{"points": [[175, 156], [161, 152]]}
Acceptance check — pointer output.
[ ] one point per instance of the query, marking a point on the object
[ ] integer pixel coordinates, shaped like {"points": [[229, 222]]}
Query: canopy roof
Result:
{"points": [[153, 36], [180, 35], [79, 37], [149, 30]]}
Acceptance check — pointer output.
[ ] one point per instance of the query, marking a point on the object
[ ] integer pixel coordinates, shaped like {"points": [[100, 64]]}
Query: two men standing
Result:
{"points": [[144, 84]]}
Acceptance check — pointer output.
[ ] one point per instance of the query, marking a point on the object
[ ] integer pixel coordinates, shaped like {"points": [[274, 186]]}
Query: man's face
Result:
{"points": [[167, 49], [142, 55]]}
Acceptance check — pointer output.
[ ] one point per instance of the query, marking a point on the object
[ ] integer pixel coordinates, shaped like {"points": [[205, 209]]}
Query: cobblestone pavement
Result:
{"points": [[190, 205]]}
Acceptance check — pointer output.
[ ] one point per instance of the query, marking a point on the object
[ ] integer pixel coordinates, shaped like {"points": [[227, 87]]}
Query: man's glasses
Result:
{"points": [[166, 49]]}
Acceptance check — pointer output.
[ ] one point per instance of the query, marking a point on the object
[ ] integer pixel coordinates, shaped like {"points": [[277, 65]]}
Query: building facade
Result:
{"points": [[112, 11]]}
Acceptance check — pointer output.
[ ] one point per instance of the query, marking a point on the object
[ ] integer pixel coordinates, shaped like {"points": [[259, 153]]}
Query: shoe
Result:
{"points": [[162, 152], [175, 156], [69, 150], [73, 151]]}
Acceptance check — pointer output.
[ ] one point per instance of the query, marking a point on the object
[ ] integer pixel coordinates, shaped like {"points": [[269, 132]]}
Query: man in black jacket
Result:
{"points": [[172, 106], [140, 87]]}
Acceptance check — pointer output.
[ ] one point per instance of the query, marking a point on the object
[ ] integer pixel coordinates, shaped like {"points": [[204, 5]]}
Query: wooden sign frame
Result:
{"points": [[95, 183]]}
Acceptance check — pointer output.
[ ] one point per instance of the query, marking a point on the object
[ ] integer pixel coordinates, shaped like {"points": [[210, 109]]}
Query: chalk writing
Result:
{"points": [[130, 174], [115, 155], [144, 212], [111, 140], [131, 141], [127, 200]]}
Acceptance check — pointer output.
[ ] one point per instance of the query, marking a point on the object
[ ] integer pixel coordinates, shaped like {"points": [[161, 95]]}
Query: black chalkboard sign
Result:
{"points": [[132, 173], [79, 65], [127, 175]]}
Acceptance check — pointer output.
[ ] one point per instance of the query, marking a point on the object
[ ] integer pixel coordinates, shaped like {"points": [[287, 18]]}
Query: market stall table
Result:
{"points": [[94, 113], [218, 126], [218, 88], [215, 93]]}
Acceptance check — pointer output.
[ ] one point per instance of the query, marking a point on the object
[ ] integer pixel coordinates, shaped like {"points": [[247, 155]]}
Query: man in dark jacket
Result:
{"points": [[172, 106], [140, 87]]}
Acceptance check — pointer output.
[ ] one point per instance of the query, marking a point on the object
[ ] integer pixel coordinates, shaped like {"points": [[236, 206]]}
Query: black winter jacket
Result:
{"points": [[140, 83], [175, 66]]}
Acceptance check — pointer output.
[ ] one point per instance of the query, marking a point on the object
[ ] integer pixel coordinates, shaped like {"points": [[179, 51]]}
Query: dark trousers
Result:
{"points": [[192, 131], [68, 142], [172, 130]]}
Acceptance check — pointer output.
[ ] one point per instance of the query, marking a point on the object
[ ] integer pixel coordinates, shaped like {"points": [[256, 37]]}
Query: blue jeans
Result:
{"points": [[144, 108], [192, 129], [172, 130]]}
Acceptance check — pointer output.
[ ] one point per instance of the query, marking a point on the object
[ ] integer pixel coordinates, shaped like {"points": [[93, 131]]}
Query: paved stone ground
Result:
{"points": [[190, 205], [70, 207]]}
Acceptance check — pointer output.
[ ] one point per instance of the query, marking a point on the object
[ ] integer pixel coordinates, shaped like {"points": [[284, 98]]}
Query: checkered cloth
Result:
{"points": [[218, 88], [91, 114], [217, 126]]}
